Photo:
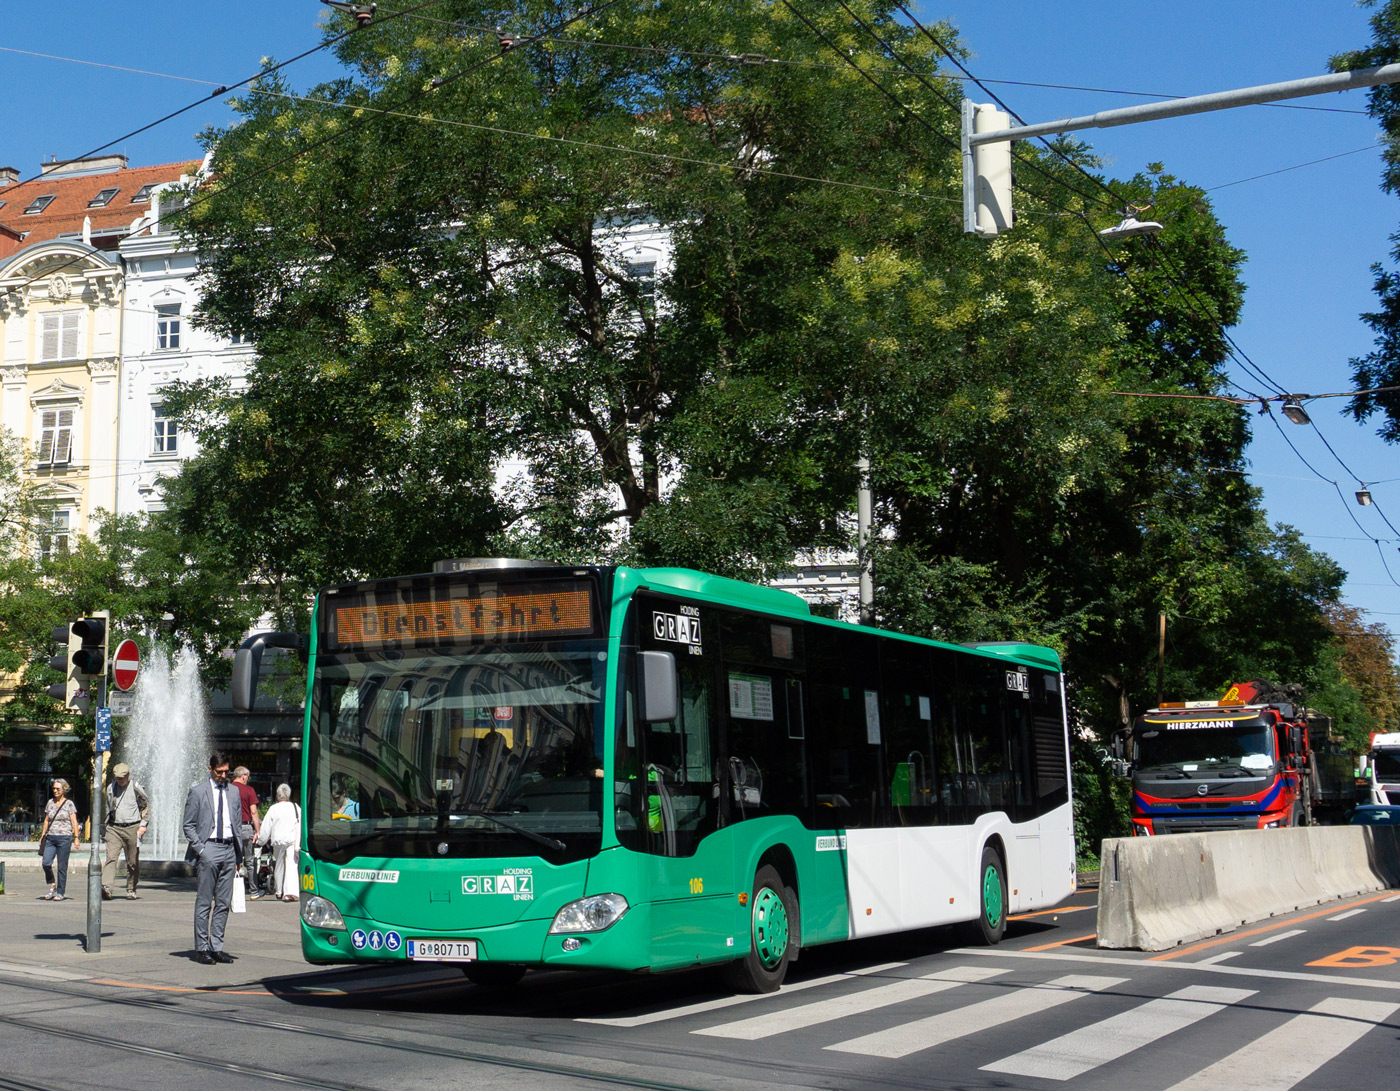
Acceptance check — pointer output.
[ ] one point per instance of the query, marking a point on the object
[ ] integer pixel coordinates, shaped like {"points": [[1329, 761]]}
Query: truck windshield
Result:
{"points": [[1219, 747], [1386, 764], [488, 752]]}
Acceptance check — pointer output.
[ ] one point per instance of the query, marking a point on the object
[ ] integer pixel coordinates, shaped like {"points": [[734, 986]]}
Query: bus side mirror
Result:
{"points": [[659, 684], [1116, 745], [247, 661]]}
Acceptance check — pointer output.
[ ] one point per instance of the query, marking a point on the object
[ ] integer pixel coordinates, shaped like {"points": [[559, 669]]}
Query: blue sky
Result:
{"points": [[1311, 234]]}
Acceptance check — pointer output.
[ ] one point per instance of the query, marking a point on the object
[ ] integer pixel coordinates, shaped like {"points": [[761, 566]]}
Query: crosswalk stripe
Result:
{"points": [[1084, 1049], [839, 1007], [731, 1001], [1307, 1041], [946, 1027]]}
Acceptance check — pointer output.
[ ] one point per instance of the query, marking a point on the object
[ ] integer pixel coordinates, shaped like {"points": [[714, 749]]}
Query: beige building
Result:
{"points": [[61, 321]]}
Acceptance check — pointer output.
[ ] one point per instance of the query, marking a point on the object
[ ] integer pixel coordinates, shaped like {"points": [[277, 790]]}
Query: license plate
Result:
{"points": [[442, 950]]}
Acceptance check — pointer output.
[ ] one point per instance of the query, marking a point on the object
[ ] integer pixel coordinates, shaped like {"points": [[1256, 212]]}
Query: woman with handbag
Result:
{"points": [[281, 828], [58, 837]]}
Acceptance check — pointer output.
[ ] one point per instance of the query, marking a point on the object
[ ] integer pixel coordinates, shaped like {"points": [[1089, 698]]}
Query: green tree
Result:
{"points": [[1381, 366]]}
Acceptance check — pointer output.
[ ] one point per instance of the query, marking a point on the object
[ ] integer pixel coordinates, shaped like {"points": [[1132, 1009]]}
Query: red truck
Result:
{"points": [[1255, 759]]}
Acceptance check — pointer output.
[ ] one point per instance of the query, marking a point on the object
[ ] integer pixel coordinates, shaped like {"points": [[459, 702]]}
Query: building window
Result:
{"points": [[104, 197], [144, 193], [166, 438], [168, 326], [53, 539], [241, 339], [643, 275], [38, 205], [59, 332], [55, 437]]}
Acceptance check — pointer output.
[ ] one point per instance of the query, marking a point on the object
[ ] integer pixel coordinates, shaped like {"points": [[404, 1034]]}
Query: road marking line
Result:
{"points": [[1061, 942], [1050, 912], [1348, 913], [839, 1007], [948, 1026], [1233, 936], [1087, 1048], [1287, 1055], [1392, 898], [730, 1001], [1218, 958], [1119, 962], [1281, 935]]}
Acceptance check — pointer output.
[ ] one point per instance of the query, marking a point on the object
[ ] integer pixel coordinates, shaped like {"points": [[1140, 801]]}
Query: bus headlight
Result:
{"points": [[592, 914], [320, 913]]}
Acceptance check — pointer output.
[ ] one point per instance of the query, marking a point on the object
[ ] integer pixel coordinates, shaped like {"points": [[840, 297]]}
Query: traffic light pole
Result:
{"points": [[976, 138], [94, 871]]}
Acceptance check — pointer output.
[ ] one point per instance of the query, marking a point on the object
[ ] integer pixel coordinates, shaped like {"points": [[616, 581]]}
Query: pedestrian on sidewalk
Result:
{"points": [[249, 825], [212, 829], [281, 828], [128, 810], [58, 837]]}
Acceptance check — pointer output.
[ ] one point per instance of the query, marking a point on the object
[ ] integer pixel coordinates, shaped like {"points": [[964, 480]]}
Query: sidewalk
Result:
{"points": [[148, 943]]}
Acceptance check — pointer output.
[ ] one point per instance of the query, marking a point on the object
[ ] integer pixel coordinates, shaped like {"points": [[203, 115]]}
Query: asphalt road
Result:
{"points": [[1308, 1000]]}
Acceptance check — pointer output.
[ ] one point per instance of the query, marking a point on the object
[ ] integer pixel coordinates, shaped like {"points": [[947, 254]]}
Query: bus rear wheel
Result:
{"points": [[990, 924], [771, 917], [493, 975]]}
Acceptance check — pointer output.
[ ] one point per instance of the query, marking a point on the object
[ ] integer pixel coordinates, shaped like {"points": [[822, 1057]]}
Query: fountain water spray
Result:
{"points": [[167, 745]]}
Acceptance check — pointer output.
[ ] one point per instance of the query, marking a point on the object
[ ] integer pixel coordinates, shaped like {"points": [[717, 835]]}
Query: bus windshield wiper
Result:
{"points": [[538, 838]]}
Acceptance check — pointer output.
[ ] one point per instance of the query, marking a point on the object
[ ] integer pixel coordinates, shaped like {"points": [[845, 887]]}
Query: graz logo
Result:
{"points": [[1203, 789], [678, 628]]}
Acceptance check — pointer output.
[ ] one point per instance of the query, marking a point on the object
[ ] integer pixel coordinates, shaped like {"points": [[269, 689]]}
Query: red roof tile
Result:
{"points": [[71, 194]]}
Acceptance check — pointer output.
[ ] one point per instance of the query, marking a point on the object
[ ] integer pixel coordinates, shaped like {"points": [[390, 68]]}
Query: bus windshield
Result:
{"points": [[460, 752], [1186, 748]]}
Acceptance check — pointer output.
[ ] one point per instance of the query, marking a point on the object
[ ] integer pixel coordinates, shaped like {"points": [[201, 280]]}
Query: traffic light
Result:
{"points": [[986, 171], [91, 656], [83, 659], [67, 692]]}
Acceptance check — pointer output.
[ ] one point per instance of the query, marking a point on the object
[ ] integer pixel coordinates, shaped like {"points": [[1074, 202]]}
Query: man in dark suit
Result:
{"points": [[212, 829]]}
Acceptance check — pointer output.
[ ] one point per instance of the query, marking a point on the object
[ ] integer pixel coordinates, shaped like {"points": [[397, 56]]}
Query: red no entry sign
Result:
{"points": [[125, 664]]}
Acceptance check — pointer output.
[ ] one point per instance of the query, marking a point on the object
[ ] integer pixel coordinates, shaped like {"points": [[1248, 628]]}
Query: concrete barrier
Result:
{"points": [[1159, 892]]}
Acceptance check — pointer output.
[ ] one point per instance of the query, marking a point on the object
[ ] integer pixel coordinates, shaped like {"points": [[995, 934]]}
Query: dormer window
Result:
{"points": [[144, 193], [39, 204], [104, 198]]}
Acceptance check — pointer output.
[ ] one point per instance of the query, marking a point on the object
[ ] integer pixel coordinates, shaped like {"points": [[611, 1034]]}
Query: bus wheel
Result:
{"points": [[770, 924], [990, 924], [493, 975]]}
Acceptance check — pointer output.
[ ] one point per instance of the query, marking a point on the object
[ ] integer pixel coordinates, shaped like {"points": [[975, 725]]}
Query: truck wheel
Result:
{"points": [[990, 924], [771, 916]]}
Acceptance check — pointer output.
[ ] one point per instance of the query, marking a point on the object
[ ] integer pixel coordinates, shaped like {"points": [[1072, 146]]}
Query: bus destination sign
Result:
{"points": [[510, 614]]}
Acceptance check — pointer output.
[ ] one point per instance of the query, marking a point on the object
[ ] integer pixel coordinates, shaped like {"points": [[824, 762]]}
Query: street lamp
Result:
{"points": [[1363, 497], [1294, 411]]}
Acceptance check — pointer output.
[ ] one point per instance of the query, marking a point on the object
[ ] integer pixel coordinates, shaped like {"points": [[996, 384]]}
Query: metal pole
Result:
{"points": [[1161, 653], [94, 870], [865, 509], [1200, 104]]}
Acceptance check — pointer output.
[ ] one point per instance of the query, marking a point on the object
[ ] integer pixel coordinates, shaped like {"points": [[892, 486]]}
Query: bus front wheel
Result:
{"points": [[771, 917], [990, 924]]}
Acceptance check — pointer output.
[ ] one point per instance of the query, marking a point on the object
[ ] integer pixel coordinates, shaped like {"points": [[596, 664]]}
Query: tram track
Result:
{"points": [[778, 1076]]}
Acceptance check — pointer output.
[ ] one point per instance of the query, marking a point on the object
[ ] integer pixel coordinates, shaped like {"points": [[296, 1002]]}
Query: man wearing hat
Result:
{"points": [[127, 812]]}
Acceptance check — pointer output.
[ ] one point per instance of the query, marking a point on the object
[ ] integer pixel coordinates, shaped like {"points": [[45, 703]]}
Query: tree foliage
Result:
{"points": [[434, 256], [1381, 366]]}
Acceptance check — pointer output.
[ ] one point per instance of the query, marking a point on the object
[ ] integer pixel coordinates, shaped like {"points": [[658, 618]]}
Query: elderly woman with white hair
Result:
{"points": [[281, 828]]}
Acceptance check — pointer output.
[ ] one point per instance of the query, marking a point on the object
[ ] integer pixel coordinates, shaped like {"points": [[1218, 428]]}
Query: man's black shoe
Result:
{"points": [[106, 894], [222, 956], [206, 957]]}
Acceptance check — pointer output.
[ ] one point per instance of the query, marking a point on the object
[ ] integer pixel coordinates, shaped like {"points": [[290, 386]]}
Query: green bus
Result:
{"points": [[516, 764]]}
